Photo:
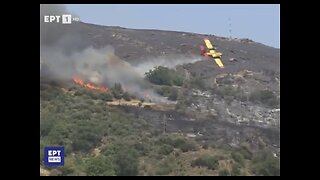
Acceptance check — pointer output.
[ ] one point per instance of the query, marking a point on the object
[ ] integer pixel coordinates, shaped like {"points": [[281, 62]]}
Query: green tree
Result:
{"points": [[266, 164], [176, 79], [117, 87], [238, 157], [164, 76], [86, 135], [188, 146], [235, 171], [106, 96], [245, 152], [100, 166], [210, 162], [163, 169], [126, 96], [117, 91], [46, 123], [224, 172], [184, 144], [165, 149], [126, 161]]}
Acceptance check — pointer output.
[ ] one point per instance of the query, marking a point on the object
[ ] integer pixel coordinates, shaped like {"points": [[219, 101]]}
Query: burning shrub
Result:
{"points": [[80, 82]]}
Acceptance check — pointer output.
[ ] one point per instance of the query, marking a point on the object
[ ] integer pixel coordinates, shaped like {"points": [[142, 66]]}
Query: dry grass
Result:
{"points": [[135, 102]]}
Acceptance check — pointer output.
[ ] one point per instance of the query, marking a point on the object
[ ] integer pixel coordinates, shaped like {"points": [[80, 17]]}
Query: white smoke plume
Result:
{"points": [[167, 61]]}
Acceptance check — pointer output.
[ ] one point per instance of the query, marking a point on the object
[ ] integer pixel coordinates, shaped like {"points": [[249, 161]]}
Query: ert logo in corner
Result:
{"points": [[54, 156], [64, 19]]}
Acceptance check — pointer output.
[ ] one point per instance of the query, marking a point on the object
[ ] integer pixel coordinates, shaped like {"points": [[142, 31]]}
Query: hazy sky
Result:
{"points": [[260, 23]]}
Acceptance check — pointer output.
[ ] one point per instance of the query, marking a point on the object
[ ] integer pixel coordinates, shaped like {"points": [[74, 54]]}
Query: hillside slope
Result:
{"points": [[217, 122]]}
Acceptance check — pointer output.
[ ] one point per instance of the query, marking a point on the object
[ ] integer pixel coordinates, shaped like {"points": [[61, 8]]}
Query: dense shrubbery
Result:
{"points": [[117, 91], [207, 161], [266, 164], [180, 143], [164, 76], [245, 152], [224, 172], [100, 166], [124, 157], [105, 96], [188, 146], [236, 170], [126, 161], [237, 157], [142, 148], [165, 149], [126, 96], [82, 122], [163, 169]]}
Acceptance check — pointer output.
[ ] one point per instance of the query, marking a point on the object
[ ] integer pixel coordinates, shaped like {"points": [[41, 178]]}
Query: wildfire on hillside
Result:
{"points": [[80, 82]]}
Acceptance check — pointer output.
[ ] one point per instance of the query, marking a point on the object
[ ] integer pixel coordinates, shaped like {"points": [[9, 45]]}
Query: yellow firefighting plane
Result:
{"points": [[209, 50]]}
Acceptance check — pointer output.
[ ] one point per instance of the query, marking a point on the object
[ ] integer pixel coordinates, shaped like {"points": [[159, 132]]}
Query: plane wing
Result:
{"points": [[218, 61], [208, 44]]}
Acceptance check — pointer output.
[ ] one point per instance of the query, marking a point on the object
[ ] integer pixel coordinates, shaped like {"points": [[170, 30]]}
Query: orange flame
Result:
{"points": [[88, 85]]}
